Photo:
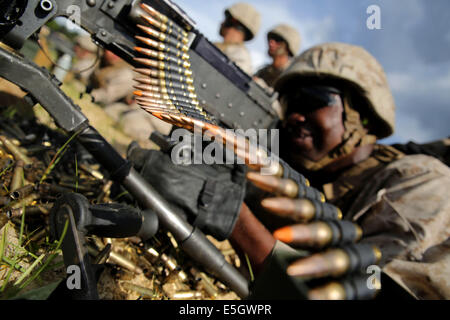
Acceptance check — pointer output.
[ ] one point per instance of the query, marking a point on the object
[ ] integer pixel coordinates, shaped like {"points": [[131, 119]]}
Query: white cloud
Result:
{"points": [[400, 82], [410, 128], [421, 90], [313, 31]]}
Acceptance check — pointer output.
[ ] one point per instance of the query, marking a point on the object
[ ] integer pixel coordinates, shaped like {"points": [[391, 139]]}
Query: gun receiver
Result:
{"points": [[224, 90]]}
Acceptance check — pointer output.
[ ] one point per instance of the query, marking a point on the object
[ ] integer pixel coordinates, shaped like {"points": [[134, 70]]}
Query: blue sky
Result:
{"points": [[413, 46]]}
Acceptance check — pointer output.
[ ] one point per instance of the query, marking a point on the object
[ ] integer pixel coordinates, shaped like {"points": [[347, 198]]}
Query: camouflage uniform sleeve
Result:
{"points": [[409, 220], [239, 55]]}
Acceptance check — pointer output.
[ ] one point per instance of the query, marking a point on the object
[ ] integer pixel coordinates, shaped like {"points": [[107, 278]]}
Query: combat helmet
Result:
{"points": [[355, 68], [290, 35], [248, 16]]}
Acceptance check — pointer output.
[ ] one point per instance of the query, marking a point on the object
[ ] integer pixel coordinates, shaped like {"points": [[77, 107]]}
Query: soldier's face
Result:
{"points": [[314, 130], [277, 46]]}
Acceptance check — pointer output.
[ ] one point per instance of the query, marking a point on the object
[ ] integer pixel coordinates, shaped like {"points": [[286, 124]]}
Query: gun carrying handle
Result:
{"points": [[66, 210]]}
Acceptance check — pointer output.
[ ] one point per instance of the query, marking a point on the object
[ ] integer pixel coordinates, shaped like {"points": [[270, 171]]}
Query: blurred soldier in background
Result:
{"points": [[113, 89], [87, 55], [439, 149], [242, 23], [113, 81], [284, 43]]}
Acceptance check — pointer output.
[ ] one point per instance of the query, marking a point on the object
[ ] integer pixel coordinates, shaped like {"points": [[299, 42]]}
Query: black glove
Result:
{"points": [[210, 196]]}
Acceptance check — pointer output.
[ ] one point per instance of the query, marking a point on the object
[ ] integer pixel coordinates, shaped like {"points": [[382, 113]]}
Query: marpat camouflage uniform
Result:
{"points": [[402, 204], [239, 54]]}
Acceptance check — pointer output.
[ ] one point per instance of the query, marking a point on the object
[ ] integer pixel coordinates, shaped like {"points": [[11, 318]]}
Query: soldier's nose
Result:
{"points": [[296, 117]]}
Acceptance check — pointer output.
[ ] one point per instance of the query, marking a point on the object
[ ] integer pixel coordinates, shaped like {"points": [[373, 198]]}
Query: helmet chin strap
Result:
{"points": [[355, 136]]}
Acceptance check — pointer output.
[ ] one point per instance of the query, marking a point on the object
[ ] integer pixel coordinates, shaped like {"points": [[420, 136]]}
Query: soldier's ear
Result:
{"points": [[286, 49]]}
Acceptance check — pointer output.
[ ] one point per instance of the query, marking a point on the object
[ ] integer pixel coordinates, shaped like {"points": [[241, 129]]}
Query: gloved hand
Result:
{"points": [[334, 265], [209, 196]]}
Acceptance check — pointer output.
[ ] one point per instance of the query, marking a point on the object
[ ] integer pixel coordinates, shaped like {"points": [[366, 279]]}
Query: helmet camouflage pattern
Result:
{"points": [[354, 67], [247, 15], [290, 35]]}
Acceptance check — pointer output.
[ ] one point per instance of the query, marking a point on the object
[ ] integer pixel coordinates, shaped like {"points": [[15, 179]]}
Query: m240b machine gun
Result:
{"points": [[224, 91]]}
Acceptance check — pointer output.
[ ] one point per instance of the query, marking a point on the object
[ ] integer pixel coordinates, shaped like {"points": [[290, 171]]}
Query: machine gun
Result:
{"points": [[227, 93]]}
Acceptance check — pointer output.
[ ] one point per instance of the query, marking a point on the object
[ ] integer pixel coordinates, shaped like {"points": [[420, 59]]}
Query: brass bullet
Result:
{"points": [[284, 187], [169, 262], [149, 104], [14, 150], [179, 120], [22, 192], [165, 76], [151, 254], [164, 66], [3, 153], [314, 235], [156, 114], [148, 99], [319, 234], [145, 90], [354, 287], [162, 114], [106, 190], [168, 85], [158, 110], [301, 210], [164, 90], [170, 26], [17, 179], [116, 258], [209, 287], [330, 291], [47, 188], [273, 168], [28, 200], [335, 262], [186, 295], [179, 45], [163, 57], [32, 210], [166, 116], [144, 292], [154, 13], [177, 101], [95, 173], [164, 47]]}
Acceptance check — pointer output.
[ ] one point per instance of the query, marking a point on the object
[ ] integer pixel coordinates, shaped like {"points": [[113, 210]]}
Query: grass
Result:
{"points": [[9, 112], [6, 169], [41, 263], [76, 173], [59, 154], [250, 269]]}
